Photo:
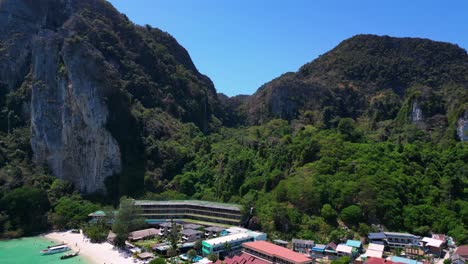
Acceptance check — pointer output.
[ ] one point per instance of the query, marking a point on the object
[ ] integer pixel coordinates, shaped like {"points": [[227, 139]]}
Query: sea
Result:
{"points": [[26, 250]]}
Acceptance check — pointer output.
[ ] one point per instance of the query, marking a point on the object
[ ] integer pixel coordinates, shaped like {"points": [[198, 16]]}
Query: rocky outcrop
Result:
{"points": [[462, 127], [416, 113], [68, 114], [81, 67]]}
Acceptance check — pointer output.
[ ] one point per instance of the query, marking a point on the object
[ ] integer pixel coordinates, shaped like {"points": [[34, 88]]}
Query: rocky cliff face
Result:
{"points": [[83, 66]]}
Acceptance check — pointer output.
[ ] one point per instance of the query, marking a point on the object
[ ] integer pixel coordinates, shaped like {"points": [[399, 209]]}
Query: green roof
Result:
{"points": [[191, 202], [98, 213]]}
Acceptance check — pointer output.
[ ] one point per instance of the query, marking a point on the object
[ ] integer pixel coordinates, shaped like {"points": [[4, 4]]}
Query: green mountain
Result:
{"points": [[94, 107], [378, 79]]}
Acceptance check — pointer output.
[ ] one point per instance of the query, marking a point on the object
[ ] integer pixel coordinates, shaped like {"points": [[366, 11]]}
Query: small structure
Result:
{"points": [[190, 235], [280, 242], [414, 251], [377, 238], [213, 231], [111, 237], [143, 234], [301, 245], [373, 260], [434, 246], [318, 250], [354, 244], [274, 254], [145, 256], [330, 249], [344, 250], [374, 251]]}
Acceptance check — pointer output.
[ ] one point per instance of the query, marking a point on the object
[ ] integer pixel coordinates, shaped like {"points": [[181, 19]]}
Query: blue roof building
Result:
{"points": [[404, 260], [353, 243]]}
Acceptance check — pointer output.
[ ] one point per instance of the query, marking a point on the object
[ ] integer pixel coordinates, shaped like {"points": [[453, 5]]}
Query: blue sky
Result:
{"points": [[242, 44]]}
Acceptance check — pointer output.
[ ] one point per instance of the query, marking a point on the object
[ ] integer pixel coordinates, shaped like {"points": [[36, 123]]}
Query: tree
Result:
{"points": [[227, 248], [198, 246], [173, 238], [70, 212], [97, 233], [328, 213], [127, 219], [158, 261], [212, 257], [341, 260], [351, 214], [27, 207], [191, 254]]}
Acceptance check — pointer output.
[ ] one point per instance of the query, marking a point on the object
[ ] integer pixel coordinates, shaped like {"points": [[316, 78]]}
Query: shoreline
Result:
{"points": [[92, 253]]}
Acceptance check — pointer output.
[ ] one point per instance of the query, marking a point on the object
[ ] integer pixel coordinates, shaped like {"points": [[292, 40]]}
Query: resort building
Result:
{"points": [[190, 235], [394, 239], [201, 211], [401, 240], [274, 254], [233, 240], [301, 245], [242, 258]]}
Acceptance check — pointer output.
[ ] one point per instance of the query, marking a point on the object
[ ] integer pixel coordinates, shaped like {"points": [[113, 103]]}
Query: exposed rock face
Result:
{"points": [[82, 66], [462, 127], [416, 112], [68, 116]]}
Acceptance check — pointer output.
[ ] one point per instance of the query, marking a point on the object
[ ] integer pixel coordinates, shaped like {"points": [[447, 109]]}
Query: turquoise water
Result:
{"points": [[26, 250]]}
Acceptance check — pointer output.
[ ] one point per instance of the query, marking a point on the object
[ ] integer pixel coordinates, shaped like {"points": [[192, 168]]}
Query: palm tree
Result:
{"points": [[227, 248]]}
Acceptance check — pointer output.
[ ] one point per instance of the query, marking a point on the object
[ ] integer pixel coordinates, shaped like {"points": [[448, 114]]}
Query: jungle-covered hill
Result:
{"points": [[94, 107]]}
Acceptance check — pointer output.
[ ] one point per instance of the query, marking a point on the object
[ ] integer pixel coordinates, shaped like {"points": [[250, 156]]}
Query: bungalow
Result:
{"points": [[190, 235], [374, 251], [143, 234], [166, 227], [344, 250], [145, 256], [354, 244], [301, 245], [433, 246], [318, 250]]}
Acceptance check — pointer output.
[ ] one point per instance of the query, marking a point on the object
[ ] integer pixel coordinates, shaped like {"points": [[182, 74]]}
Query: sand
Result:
{"points": [[92, 252]]}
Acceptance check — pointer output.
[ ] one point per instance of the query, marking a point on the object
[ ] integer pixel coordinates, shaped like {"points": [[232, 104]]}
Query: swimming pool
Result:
{"points": [[195, 259]]}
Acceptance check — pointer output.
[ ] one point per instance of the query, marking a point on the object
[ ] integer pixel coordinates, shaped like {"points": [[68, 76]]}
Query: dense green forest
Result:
{"points": [[302, 179]]}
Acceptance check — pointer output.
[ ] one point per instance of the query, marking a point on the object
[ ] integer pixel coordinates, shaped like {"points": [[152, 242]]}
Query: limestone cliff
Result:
{"points": [[82, 67]]}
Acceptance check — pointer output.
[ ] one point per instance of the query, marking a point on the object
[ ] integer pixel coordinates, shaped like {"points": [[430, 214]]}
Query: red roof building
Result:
{"points": [[274, 254], [372, 260], [242, 259], [462, 251]]}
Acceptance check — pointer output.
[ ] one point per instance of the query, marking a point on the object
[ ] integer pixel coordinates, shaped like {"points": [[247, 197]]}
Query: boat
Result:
{"points": [[55, 249], [56, 245], [67, 256]]}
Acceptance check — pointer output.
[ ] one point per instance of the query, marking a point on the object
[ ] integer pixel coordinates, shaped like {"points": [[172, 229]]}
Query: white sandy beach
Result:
{"points": [[94, 253]]}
